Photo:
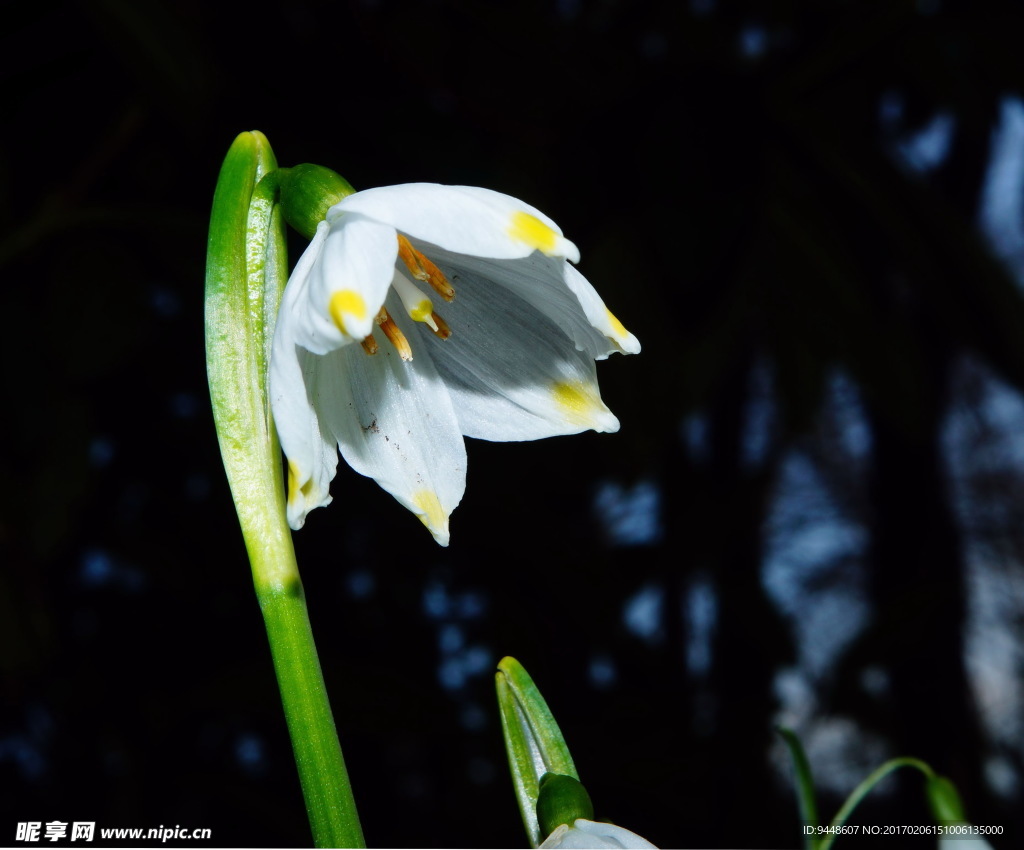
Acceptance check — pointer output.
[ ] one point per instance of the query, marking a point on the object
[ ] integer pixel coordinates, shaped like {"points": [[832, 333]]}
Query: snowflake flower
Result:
{"points": [[420, 314]]}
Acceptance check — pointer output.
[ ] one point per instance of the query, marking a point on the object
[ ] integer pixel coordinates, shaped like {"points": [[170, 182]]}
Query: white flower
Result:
{"points": [[967, 842], [421, 313], [584, 834]]}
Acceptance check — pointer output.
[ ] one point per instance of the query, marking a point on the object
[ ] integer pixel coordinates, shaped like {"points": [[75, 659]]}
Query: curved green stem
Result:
{"points": [[246, 272], [865, 787]]}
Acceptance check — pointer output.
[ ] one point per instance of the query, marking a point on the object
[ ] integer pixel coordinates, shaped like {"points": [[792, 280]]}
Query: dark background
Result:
{"points": [[808, 212]]}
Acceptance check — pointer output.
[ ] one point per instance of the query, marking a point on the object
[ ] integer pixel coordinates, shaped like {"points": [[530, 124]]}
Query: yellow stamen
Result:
{"points": [[346, 301], [369, 344], [423, 269], [394, 334], [534, 232], [440, 326]]}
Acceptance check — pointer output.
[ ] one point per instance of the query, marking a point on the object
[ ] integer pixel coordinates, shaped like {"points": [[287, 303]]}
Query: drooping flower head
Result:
{"points": [[422, 313]]}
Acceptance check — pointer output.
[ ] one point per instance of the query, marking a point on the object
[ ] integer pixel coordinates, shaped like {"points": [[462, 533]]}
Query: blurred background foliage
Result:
{"points": [[811, 215]]}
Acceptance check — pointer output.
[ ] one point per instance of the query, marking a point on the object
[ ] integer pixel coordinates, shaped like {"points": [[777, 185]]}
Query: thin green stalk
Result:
{"points": [[329, 802], [804, 784], [246, 272], [865, 787]]}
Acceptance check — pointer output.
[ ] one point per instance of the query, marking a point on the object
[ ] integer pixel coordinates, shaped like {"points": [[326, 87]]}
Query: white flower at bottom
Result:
{"points": [[421, 313], [584, 834], [966, 842]]}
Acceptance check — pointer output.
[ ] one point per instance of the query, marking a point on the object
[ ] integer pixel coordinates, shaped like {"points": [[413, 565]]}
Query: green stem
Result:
{"points": [[804, 784], [865, 787], [329, 802], [246, 271]]}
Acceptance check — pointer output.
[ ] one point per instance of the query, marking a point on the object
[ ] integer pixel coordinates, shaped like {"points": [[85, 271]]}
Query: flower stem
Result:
{"points": [[245, 274], [329, 802]]}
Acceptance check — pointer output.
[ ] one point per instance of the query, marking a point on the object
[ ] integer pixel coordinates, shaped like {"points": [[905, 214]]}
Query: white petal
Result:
{"points": [[586, 834], [292, 318], [554, 288], [463, 219], [312, 458], [393, 422], [339, 283], [965, 843], [556, 838], [598, 314], [512, 373]]}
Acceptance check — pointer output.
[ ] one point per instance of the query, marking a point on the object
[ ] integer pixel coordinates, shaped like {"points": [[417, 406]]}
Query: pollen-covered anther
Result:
{"points": [[440, 327], [369, 344], [423, 269], [394, 334]]}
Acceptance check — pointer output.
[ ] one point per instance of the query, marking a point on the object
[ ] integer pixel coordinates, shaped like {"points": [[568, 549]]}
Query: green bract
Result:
{"points": [[245, 275], [245, 272], [556, 808], [533, 741]]}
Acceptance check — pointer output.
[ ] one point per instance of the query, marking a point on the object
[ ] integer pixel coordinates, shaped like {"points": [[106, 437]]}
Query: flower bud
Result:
{"points": [[562, 799], [308, 192]]}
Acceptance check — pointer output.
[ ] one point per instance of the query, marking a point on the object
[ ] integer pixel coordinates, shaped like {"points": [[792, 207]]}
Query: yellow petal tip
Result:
{"points": [[580, 403], [293, 483], [534, 232], [299, 492], [346, 302], [618, 328], [431, 514]]}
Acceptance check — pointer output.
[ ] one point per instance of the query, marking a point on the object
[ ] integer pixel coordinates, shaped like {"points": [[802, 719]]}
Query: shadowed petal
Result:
{"points": [[511, 372], [393, 421]]}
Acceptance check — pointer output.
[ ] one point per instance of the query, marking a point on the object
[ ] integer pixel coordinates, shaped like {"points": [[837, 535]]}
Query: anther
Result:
{"points": [[369, 344], [394, 334], [423, 269], [440, 326]]}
